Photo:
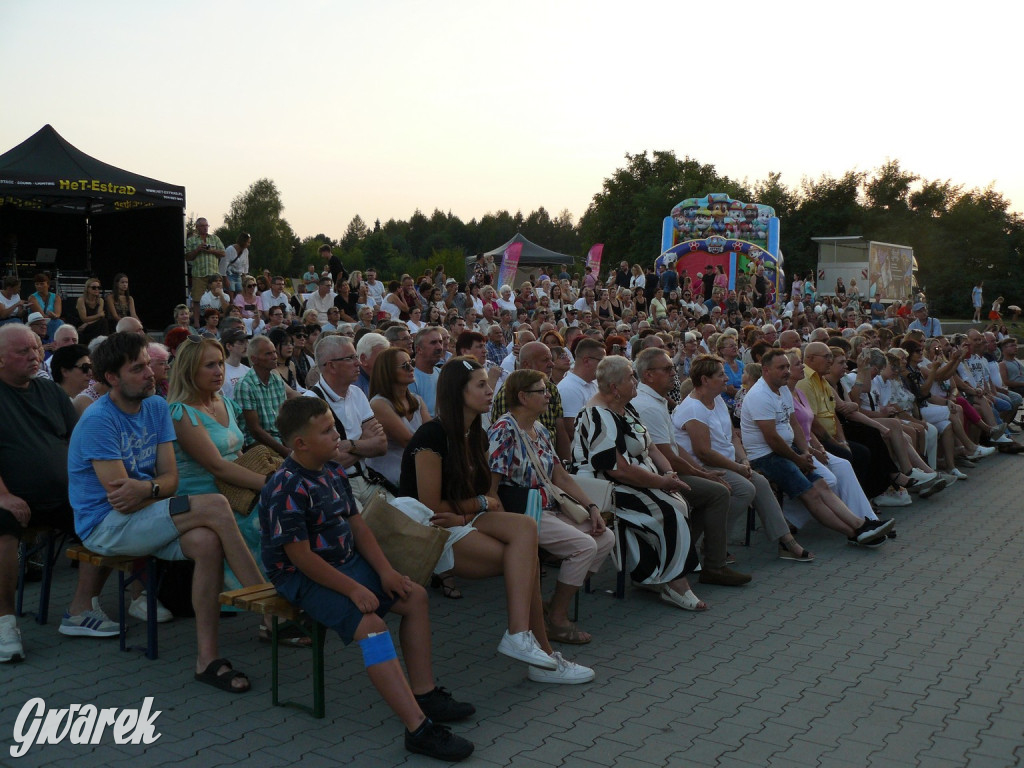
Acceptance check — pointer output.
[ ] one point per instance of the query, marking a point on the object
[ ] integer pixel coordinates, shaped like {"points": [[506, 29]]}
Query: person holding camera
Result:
{"points": [[203, 251]]}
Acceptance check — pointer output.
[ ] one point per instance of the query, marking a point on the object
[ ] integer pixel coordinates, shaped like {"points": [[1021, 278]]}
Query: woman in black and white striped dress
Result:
{"points": [[611, 443]]}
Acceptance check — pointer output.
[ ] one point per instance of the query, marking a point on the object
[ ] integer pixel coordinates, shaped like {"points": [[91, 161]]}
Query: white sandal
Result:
{"points": [[687, 601]]}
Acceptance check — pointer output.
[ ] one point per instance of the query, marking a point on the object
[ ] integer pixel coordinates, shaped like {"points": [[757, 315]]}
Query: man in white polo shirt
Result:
{"points": [[580, 384], [361, 433], [707, 494]]}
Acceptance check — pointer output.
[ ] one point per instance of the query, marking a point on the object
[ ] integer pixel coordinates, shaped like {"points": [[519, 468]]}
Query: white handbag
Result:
{"points": [[601, 492]]}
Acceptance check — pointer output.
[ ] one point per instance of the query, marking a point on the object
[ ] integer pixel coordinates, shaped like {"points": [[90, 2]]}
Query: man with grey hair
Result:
{"points": [[428, 349], [65, 336], [398, 335], [819, 334], [367, 349], [707, 493], [361, 434], [260, 394], [132, 325], [536, 356]]}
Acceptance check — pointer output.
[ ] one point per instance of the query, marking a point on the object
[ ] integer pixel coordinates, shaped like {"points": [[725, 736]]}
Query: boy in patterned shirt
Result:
{"points": [[321, 556]]}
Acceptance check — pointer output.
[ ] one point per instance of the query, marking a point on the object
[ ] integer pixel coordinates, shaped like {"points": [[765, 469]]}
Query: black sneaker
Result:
{"points": [[873, 529], [440, 707], [439, 742]]}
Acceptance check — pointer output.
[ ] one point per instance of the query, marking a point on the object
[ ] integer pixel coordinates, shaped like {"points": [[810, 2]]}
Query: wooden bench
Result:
{"points": [[38, 541], [264, 600], [126, 574]]}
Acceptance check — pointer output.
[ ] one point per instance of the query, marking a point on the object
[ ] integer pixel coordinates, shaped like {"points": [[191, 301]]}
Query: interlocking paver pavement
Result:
{"points": [[910, 655]]}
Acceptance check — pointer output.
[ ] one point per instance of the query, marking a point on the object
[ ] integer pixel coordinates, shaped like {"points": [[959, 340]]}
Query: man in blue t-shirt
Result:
{"points": [[428, 349], [121, 482]]}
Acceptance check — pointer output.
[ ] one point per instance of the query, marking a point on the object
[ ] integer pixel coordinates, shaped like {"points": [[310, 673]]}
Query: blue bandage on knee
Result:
{"points": [[377, 649]]}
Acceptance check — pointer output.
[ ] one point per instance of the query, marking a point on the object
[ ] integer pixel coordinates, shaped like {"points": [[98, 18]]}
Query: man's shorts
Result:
{"points": [[785, 474], [233, 282], [199, 286], [57, 516], [148, 531], [333, 609]]}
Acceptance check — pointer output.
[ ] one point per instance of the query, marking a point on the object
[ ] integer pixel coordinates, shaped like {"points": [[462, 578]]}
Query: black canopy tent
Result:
{"points": [[531, 257], [101, 219]]}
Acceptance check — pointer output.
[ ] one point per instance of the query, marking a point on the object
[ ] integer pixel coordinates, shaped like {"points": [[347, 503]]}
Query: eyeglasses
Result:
{"points": [[536, 391], [662, 368], [345, 359], [407, 366], [84, 367]]}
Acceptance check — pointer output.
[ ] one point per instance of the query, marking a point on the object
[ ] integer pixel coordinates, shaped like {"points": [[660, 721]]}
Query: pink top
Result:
{"points": [[804, 414]]}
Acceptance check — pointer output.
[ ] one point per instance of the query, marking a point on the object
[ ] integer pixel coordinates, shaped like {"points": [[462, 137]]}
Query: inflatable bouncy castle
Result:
{"points": [[716, 230]]}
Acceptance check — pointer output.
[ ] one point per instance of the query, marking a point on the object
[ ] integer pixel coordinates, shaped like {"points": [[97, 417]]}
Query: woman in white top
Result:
{"points": [[393, 303], [235, 261], [397, 410], [703, 428], [505, 299], [637, 279], [415, 322]]}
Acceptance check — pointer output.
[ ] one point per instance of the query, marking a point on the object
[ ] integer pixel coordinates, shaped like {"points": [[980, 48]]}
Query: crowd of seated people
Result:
{"points": [[459, 395]]}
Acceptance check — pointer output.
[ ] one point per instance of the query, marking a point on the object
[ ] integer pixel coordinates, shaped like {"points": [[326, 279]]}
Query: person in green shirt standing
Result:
{"points": [[203, 251]]}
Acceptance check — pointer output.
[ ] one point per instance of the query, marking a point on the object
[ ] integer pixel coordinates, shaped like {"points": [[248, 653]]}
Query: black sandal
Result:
{"points": [[805, 555], [225, 679], [446, 583]]}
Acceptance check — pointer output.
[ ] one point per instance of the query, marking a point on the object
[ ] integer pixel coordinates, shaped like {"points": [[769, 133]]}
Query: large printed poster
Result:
{"points": [[890, 271]]}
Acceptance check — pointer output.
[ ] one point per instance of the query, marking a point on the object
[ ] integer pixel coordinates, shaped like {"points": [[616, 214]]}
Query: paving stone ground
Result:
{"points": [[908, 655]]}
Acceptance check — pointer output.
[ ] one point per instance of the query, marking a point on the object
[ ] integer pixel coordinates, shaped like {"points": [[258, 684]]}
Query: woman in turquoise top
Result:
{"points": [[209, 437]]}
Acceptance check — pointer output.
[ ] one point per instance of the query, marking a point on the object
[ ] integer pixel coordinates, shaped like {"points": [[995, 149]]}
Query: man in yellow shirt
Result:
{"points": [[821, 397]]}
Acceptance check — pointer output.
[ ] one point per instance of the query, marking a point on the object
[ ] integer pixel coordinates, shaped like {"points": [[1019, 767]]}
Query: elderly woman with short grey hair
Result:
{"points": [[611, 443]]}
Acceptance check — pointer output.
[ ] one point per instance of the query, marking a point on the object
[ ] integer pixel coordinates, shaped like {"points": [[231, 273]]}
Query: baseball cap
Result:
{"points": [[919, 306]]}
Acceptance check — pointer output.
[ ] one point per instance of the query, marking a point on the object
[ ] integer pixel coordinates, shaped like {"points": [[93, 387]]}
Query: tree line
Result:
{"points": [[959, 235]]}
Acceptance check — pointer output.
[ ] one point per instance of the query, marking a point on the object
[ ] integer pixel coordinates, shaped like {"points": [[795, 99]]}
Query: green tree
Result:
{"points": [[354, 232], [627, 214], [258, 211]]}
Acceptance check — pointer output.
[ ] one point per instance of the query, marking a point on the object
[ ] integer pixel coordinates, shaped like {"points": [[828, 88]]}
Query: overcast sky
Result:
{"points": [[381, 108]]}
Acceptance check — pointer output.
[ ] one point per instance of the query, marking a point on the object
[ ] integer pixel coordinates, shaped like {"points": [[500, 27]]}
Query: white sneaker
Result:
{"points": [[921, 476], [958, 474], [10, 640], [949, 477], [893, 499], [522, 646], [981, 452], [94, 623], [138, 607], [566, 673], [1002, 440]]}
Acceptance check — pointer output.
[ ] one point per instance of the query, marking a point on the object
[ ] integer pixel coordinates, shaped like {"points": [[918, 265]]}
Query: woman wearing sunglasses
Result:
{"points": [[72, 369]]}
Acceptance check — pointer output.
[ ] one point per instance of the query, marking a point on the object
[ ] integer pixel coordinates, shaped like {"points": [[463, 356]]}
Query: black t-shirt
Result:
{"points": [[334, 264], [349, 307], [37, 424], [431, 436]]}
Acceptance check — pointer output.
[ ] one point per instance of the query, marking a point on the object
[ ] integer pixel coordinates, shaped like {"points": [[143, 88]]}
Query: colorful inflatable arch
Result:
{"points": [[716, 230]]}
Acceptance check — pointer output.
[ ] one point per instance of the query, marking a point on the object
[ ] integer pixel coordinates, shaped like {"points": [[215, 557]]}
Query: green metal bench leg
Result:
{"points": [[319, 634], [273, 663]]}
